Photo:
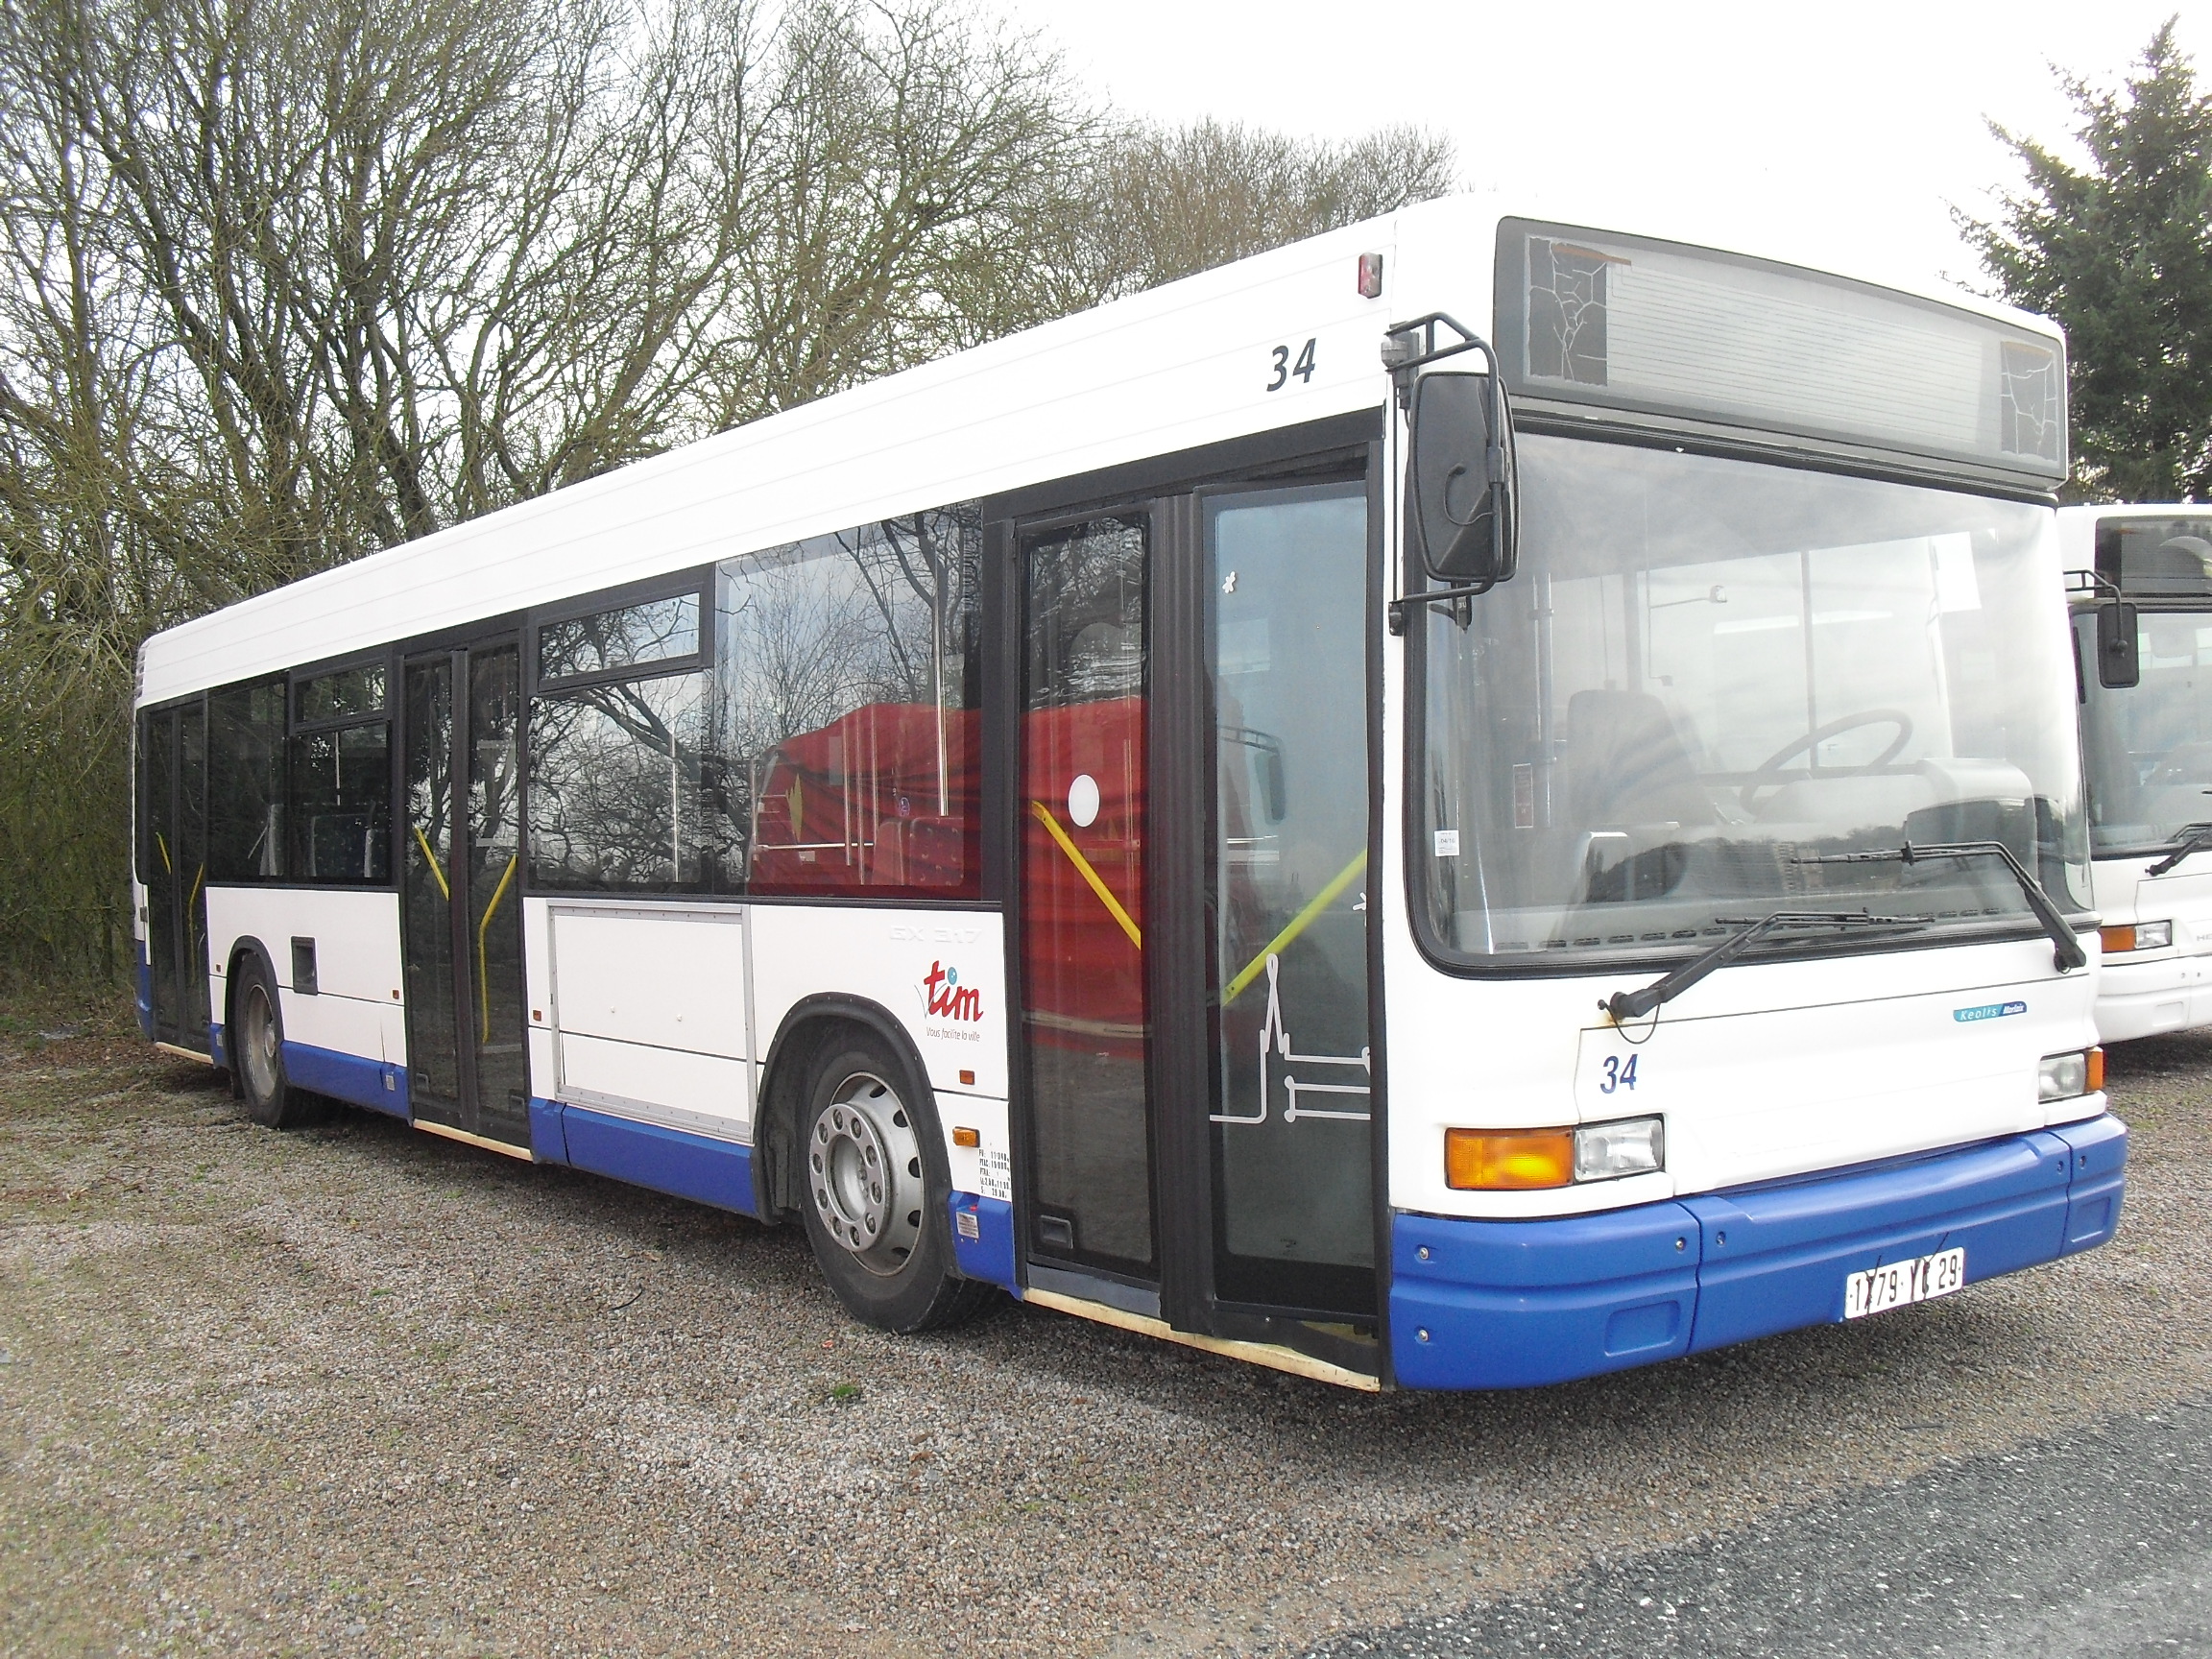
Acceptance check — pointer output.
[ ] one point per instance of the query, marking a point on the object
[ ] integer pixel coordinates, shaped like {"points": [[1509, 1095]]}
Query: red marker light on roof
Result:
{"points": [[1370, 275]]}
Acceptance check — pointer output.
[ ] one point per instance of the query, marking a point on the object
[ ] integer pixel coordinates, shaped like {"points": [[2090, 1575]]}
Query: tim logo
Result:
{"points": [[947, 998]]}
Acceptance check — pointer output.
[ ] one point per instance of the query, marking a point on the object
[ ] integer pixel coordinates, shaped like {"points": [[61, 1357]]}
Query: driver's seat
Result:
{"points": [[1627, 764]]}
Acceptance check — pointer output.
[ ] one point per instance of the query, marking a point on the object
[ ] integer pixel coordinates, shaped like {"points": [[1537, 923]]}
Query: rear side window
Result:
{"points": [[846, 695], [625, 636], [339, 785], [621, 786], [246, 781]]}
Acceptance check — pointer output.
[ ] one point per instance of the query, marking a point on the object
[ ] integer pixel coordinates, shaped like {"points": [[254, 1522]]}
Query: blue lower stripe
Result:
{"points": [[548, 1137], [983, 1239], [695, 1166], [348, 1077], [145, 980]]}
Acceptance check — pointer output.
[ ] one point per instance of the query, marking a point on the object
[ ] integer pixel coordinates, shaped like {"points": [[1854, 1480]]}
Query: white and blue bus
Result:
{"points": [[2141, 584], [1466, 803]]}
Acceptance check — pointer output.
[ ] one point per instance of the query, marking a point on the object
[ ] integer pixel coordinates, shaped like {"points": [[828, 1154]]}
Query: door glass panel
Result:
{"points": [[1293, 1206], [426, 875], [1083, 801], [495, 908], [191, 845], [157, 862]]}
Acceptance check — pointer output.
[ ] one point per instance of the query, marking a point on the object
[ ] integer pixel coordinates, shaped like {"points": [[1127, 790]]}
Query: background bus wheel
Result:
{"points": [[257, 1050], [876, 1191]]}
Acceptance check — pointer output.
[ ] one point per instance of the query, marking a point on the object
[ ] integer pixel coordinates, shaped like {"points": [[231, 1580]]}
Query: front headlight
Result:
{"points": [[2063, 1076], [1632, 1146]]}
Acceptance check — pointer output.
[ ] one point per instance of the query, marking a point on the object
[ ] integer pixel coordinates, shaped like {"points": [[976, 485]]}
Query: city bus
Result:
{"points": [[2140, 580], [1466, 803]]}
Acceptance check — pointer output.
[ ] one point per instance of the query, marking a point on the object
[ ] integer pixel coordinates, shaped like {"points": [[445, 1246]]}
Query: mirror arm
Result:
{"points": [[1398, 611], [2093, 583], [1410, 346]]}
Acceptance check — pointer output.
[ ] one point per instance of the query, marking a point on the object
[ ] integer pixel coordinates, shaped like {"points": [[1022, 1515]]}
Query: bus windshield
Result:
{"points": [[1710, 671], [2149, 746]]}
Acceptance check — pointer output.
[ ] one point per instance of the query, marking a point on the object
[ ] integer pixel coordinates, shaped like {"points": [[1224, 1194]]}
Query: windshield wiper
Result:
{"points": [[2068, 954], [2189, 839], [1627, 1005]]}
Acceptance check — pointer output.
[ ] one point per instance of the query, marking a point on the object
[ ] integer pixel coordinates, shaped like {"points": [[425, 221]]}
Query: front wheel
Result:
{"points": [[877, 1192]]}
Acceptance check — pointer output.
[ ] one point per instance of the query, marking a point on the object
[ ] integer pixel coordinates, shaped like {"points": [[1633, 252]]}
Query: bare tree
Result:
{"points": [[285, 281]]}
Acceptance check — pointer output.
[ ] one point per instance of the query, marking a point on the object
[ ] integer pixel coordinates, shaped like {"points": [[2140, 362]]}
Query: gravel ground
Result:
{"points": [[356, 1389], [2093, 1542]]}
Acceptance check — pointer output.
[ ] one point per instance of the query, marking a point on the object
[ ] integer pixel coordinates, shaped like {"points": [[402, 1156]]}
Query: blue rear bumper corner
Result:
{"points": [[1517, 1303]]}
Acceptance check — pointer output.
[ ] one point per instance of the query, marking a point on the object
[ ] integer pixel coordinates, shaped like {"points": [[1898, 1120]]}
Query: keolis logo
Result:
{"points": [[947, 998]]}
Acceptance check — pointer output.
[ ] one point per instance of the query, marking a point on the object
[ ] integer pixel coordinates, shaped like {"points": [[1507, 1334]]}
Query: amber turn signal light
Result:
{"points": [[1507, 1159], [966, 1138], [2096, 1070]]}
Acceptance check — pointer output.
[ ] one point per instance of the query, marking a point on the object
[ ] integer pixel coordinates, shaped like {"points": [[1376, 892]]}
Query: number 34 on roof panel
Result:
{"points": [[1477, 800]]}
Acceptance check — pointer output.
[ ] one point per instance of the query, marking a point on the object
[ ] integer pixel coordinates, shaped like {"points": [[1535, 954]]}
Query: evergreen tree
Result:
{"points": [[2121, 253]]}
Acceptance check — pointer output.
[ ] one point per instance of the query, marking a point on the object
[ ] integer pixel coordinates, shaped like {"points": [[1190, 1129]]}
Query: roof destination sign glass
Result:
{"points": [[1593, 317]]}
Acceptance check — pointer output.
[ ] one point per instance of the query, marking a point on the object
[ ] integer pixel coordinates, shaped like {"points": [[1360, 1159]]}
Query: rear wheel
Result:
{"points": [[877, 1191], [257, 1050]]}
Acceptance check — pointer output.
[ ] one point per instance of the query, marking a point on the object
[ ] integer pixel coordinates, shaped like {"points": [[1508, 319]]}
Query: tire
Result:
{"points": [[876, 1188], [257, 1050]]}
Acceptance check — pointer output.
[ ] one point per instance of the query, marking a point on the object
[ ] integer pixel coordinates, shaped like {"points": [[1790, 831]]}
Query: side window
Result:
{"points": [[625, 636], [339, 799], [624, 788], [846, 707], [152, 797], [246, 781]]}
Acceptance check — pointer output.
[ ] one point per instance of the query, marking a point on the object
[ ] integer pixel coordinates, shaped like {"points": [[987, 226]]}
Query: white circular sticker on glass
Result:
{"points": [[1083, 799]]}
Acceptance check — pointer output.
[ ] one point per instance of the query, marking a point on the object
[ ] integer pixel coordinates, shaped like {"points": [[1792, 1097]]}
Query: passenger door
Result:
{"points": [[1082, 796], [460, 891], [1193, 804], [1287, 581], [173, 865]]}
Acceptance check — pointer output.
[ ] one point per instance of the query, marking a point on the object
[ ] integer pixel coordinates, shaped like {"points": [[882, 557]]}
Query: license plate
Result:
{"points": [[1902, 1281]]}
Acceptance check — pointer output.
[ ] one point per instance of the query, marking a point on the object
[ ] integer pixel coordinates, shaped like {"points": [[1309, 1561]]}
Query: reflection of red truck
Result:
{"points": [[884, 798], [1083, 884], [863, 802]]}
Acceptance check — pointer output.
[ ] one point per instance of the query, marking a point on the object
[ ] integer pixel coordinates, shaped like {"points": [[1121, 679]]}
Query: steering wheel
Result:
{"points": [[1766, 775]]}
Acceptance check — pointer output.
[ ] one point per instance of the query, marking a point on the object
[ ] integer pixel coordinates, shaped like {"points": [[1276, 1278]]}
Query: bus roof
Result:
{"points": [[1172, 369]]}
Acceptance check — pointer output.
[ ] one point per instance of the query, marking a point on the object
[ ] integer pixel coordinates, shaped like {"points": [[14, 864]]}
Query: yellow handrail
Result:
{"points": [[431, 859], [199, 880], [483, 982], [163, 846], [1043, 816], [1298, 925]]}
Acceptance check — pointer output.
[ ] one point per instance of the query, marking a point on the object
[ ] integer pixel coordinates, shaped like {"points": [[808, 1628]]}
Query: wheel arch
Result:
{"points": [[810, 1025], [244, 948]]}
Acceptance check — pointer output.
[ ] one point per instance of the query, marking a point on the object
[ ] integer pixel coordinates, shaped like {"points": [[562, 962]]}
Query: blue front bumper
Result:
{"points": [[1514, 1304]]}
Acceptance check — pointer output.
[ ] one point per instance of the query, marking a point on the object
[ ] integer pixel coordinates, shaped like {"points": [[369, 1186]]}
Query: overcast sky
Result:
{"points": [[1845, 130]]}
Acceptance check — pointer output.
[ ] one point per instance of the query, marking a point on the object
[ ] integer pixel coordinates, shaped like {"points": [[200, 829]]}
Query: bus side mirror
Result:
{"points": [[1460, 488], [2119, 657]]}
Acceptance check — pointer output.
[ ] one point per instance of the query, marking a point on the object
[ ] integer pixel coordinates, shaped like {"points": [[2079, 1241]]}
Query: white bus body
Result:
{"points": [[1202, 946], [2147, 755]]}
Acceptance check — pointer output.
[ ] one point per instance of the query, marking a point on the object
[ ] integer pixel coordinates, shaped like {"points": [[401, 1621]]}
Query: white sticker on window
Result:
{"points": [[1447, 843], [1083, 801]]}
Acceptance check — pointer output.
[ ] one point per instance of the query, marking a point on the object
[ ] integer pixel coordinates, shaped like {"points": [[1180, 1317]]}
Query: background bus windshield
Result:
{"points": [[2149, 747], [1708, 670]]}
